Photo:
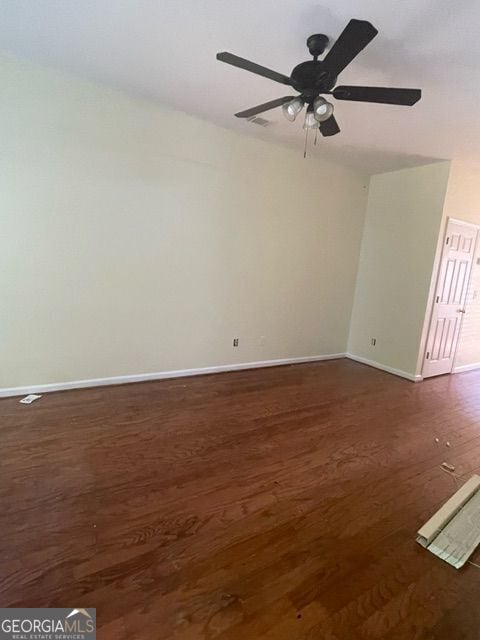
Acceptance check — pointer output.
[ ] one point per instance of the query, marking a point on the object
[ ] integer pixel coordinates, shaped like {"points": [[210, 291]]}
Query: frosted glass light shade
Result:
{"points": [[310, 121], [322, 109], [292, 109]]}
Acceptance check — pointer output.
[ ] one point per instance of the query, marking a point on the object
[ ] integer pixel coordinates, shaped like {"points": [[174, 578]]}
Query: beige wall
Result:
{"points": [[135, 239], [404, 215], [463, 202]]}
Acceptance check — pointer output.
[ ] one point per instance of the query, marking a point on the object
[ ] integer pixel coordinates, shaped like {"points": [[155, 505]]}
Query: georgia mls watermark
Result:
{"points": [[47, 624]]}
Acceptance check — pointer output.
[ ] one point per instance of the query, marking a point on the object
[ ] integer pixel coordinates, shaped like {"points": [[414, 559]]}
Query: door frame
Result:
{"points": [[437, 277]]}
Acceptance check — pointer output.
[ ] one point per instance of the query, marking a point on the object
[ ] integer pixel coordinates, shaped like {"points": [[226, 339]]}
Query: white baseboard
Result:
{"points": [[383, 367], [143, 377], [466, 367]]}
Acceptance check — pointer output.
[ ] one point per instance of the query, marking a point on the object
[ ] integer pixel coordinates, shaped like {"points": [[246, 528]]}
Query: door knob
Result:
{"points": [[460, 310]]}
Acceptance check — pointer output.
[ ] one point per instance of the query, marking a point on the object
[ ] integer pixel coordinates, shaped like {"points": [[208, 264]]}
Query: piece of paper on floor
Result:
{"points": [[30, 398]]}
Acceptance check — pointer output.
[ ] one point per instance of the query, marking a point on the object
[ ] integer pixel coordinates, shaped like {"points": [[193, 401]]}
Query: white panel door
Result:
{"points": [[449, 303]]}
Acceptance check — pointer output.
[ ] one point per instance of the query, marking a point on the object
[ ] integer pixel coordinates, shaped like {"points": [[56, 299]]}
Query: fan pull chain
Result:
{"points": [[306, 140], [316, 134]]}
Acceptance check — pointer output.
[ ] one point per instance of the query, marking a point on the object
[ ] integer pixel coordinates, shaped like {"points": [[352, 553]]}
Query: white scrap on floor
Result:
{"points": [[30, 398], [448, 467], [453, 532]]}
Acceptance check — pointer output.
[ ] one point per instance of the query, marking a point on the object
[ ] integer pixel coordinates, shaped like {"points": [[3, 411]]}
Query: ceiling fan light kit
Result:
{"points": [[315, 78]]}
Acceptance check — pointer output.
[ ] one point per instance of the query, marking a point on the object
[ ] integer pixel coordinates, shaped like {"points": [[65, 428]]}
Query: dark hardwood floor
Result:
{"points": [[275, 503]]}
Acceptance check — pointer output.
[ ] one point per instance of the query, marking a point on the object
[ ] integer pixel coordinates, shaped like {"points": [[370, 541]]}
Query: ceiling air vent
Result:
{"points": [[260, 121]]}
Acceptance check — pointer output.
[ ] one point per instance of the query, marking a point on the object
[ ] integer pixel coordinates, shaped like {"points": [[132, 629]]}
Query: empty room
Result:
{"points": [[239, 320]]}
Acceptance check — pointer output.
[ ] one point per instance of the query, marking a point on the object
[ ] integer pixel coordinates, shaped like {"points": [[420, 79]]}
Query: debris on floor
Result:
{"points": [[448, 467], [30, 398], [453, 532]]}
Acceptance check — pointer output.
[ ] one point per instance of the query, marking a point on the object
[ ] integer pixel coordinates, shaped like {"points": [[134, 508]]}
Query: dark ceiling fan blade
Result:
{"points": [[236, 61], [260, 108], [355, 37], [385, 95], [329, 127]]}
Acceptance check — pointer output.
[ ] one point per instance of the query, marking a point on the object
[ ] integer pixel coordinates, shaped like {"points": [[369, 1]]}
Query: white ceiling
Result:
{"points": [[165, 50]]}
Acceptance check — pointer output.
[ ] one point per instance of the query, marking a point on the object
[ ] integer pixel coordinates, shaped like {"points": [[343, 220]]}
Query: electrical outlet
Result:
{"points": [[261, 341], [373, 342], [235, 342]]}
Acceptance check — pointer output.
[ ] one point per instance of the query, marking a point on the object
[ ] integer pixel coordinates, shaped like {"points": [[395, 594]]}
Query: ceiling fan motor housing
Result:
{"points": [[312, 78]]}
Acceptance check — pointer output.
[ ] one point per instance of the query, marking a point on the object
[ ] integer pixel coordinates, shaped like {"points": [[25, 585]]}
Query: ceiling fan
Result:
{"points": [[315, 78]]}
